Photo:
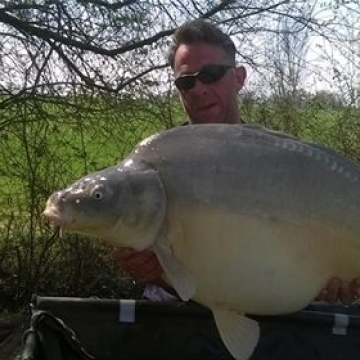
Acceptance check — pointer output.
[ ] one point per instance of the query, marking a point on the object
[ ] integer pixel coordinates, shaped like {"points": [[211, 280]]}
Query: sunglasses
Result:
{"points": [[207, 75]]}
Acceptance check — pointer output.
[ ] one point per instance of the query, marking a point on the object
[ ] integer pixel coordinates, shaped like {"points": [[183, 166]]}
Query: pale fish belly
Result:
{"points": [[257, 265]]}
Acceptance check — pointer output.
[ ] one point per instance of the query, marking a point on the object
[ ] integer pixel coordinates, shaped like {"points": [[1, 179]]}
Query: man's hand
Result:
{"points": [[344, 291], [142, 265]]}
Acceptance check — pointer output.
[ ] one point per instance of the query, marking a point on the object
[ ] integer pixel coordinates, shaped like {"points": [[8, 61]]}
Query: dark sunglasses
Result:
{"points": [[208, 74]]}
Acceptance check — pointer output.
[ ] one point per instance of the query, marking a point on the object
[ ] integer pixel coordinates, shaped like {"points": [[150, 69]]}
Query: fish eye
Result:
{"points": [[97, 194]]}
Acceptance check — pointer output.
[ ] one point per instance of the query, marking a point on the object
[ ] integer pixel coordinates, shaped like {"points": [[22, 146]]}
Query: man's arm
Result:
{"points": [[142, 265]]}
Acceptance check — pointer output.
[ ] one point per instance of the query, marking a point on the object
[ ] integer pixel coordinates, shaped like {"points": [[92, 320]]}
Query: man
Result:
{"points": [[208, 80]]}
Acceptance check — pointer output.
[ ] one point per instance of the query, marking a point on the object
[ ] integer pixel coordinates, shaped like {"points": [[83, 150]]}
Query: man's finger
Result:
{"points": [[355, 289], [346, 294]]}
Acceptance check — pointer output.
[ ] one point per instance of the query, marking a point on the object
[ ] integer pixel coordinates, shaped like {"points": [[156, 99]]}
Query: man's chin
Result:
{"points": [[208, 116]]}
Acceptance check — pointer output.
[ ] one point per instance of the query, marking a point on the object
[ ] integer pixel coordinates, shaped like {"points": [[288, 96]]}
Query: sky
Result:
{"points": [[332, 63]]}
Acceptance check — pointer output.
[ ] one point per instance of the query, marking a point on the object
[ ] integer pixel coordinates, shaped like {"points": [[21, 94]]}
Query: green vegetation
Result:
{"points": [[44, 148], [320, 119]]}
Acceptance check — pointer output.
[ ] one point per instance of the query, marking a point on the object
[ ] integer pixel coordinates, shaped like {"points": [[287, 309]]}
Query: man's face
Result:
{"points": [[214, 102]]}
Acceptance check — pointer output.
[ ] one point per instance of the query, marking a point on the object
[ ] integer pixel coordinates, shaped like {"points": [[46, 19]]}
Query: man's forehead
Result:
{"points": [[191, 58]]}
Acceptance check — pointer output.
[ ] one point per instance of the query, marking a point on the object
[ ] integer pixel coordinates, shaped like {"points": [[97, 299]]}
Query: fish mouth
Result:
{"points": [[58, 219]]}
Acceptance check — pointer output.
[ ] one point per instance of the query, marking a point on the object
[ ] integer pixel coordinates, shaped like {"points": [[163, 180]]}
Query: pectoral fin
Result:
{"points": [[239, 333], [180, 279]]}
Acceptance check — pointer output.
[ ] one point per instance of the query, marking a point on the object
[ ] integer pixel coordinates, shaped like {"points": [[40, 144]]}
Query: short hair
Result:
{"points": [[200, 30]]}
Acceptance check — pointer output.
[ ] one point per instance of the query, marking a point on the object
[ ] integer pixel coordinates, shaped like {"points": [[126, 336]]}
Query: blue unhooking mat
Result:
{"points": [[108, 329]]}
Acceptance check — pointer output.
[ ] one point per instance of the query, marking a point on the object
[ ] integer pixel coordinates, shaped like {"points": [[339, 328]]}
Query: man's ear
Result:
{"points": [[240, 77]]}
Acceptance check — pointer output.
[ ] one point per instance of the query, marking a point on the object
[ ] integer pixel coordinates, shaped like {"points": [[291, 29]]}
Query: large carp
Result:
{"points": [[242, 219]]}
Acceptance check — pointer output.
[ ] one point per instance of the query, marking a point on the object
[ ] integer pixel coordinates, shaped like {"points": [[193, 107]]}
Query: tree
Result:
{"points": [[59, 47]]}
